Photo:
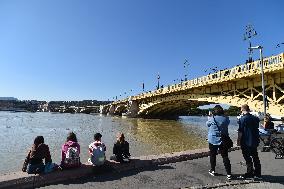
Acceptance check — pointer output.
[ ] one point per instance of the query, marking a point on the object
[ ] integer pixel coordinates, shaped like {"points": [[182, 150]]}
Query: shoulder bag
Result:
{"points": [[226, 140]]}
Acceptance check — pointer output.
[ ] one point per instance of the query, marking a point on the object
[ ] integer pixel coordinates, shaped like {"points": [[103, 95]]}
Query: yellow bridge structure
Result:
{"points": [[236, 86]]}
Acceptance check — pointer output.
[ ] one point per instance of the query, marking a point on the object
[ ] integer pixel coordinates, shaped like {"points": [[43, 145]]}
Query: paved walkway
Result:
{"points": [[187, 174]]}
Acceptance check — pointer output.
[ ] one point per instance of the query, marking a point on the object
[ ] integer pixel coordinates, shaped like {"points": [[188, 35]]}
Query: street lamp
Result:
{"points": [[262, 75], [158, 77], [250, 32], [278, 45], [185, 66]]}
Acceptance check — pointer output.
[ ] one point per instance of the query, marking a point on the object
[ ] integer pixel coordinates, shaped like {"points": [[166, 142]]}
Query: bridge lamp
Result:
{"points": [[262, 75], [158, 77], [185, 66], [250, 32]]}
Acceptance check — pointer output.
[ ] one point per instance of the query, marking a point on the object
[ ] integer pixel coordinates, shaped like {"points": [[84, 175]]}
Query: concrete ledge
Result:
{"points": [[20, 180]]}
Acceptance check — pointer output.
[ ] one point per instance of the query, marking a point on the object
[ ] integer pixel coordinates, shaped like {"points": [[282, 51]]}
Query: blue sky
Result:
{"points": [[94, 49]]}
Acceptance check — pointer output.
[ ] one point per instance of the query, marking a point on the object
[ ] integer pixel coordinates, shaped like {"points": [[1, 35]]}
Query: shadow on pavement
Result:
{"points": [[264, 178], [273, 179], [109, 172]]}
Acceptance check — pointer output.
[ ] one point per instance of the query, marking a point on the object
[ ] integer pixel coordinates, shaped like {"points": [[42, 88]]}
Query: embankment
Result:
{"points": [[22, 180]]}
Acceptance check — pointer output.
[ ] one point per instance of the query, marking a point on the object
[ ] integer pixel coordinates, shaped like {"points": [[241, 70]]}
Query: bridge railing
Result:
{"points": [[235, 72]]}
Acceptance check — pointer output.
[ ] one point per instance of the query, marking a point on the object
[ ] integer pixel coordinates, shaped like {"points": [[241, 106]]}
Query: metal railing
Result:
{"points": [[228, 74]]}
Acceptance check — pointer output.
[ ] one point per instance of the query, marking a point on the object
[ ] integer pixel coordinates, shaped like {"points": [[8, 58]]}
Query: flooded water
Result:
{"points": [[18, 130]]}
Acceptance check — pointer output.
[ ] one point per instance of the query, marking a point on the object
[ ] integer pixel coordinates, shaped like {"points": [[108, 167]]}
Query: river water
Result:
{"points": [[146, 137]]}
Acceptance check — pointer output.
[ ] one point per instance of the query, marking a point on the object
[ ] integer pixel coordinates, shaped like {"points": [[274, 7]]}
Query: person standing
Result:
{"points": [[218, 124], [248, 139]]}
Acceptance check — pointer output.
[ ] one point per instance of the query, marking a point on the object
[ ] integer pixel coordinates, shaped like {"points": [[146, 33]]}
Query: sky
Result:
{"points": [[94, 49]]}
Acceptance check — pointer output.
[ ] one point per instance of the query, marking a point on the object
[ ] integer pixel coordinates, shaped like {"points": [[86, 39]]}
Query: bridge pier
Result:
{"points": [[120, 109], [111, 110], [104, 109], [133, 109]]}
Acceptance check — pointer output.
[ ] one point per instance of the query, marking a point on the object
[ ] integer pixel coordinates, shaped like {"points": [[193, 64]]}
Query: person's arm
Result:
{"points": [[29, 155], [63, 156], [127, 149], [240, 132], [239, 138], [90, 151], [228, 121], [78, 147], [115, 150], [48, 156], [208, 123], [104, 146]]}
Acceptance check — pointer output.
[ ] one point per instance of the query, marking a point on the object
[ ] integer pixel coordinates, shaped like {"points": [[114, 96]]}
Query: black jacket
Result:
{"points": [[121, 150]]}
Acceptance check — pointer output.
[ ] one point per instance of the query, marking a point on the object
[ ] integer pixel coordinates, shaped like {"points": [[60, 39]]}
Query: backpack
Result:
{"points": [[72, 158], [98, 156]]}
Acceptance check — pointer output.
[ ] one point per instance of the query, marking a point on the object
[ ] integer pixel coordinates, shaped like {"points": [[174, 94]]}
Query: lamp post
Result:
{"points": [[278, 45], [158, 77], [185, 66], [250, 32], [262, 76]]}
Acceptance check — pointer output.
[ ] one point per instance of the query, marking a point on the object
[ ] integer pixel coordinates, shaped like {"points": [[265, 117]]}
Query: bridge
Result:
{"points": [[236, 86]]}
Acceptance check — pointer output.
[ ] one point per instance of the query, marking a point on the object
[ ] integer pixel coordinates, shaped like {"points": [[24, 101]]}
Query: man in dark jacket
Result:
{"points": [[248, 139]]}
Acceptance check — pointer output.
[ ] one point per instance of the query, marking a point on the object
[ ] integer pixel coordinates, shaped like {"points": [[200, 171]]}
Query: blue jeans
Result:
{"points": [[37, 168]]}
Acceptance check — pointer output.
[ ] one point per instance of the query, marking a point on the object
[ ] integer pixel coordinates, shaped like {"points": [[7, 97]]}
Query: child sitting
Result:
{"points": [[97, 151]]}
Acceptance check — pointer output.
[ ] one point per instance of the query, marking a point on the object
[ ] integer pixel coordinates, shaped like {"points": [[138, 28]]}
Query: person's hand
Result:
{"points": [[238, 142]]}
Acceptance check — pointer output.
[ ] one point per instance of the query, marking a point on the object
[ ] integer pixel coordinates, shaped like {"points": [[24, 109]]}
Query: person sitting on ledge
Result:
{"points": [[34, 160], [70, 152], [97, 151], [121, 149]]}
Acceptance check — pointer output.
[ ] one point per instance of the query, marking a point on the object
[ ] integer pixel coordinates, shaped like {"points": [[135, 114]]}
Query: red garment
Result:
{"points": [[65, 147]]}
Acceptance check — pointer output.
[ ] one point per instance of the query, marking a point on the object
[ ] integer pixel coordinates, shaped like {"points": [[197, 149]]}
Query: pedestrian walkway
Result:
{"points": [[186, 174], [177, 170]]}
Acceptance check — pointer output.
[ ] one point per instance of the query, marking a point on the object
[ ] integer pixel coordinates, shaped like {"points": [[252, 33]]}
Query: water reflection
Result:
{"points": [[167, 136]]}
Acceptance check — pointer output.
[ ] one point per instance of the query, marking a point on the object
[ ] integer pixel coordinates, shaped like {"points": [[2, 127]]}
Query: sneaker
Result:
{"points": [[257, 177], [246, 176], [229, 177], [212, 173]]}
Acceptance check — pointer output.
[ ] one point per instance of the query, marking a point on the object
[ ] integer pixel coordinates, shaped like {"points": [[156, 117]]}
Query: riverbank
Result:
{"points": [[23, 180]]}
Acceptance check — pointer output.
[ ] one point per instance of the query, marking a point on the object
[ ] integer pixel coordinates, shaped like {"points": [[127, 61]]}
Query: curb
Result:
{"points": [[226, 184], [20, 180]]}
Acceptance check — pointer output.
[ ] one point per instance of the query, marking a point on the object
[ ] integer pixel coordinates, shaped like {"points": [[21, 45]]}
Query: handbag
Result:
{"points": [[226, 140]]}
